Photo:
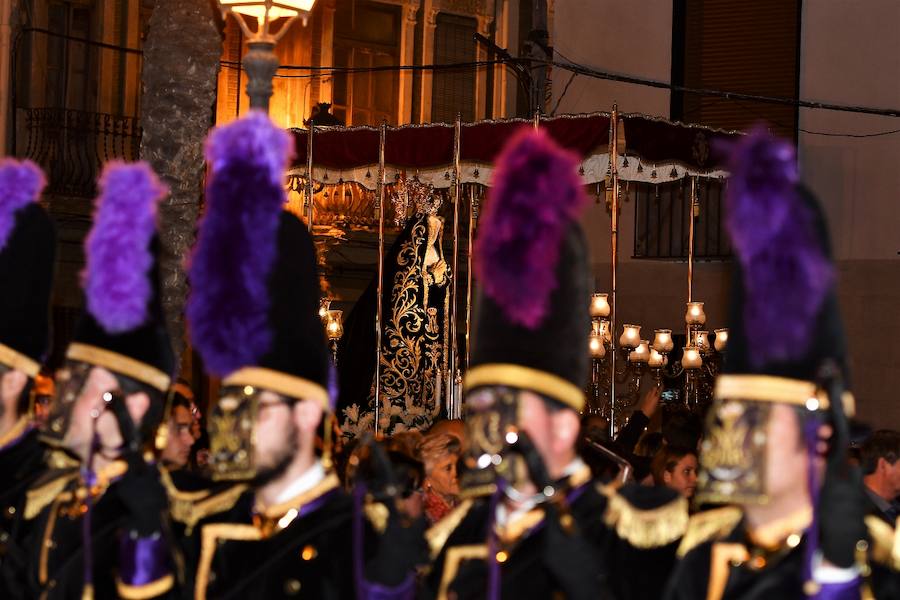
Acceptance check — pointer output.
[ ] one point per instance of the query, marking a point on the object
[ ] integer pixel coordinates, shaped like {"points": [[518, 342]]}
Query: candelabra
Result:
{"points": [[638, 358], [334, 330]]}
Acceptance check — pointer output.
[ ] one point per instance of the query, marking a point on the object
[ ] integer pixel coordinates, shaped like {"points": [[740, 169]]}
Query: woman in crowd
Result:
{"points": [[676, 468], [440, 453]]}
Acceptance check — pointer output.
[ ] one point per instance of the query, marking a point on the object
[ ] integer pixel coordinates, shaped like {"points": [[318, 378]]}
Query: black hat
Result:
{"points": [[785, 322], [123, 328], [27, 251], [253, 309], [531, 259], [785, 325]]}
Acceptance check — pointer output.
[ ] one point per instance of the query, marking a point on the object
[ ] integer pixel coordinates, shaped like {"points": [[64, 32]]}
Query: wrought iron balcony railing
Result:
{"points": [[72, 145]]}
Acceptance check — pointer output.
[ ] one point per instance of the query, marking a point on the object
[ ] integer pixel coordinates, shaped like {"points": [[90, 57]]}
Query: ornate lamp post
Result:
{"points": [[260, 62]]}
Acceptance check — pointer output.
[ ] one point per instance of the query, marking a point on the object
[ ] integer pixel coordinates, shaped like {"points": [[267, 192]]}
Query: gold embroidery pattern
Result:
{"points": [[412, 369]]}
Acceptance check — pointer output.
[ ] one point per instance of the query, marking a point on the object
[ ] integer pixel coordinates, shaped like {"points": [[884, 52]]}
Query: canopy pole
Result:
{"points": [[379, 206], [614, 259], [453, 393], [309, 176], [695, 206], [473, 215]]}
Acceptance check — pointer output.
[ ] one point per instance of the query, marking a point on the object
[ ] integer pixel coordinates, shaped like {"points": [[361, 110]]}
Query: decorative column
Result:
{"points": [[407, 56]]}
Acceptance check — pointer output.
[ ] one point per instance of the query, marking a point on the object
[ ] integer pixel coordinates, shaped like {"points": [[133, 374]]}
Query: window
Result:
{"points": [[746, 47], [662, 220], [453, 92], [68, 82], [366, 35]]}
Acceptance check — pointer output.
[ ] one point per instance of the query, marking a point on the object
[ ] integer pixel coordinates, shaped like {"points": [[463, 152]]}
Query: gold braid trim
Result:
{"points": [[885, 548], [119, 363], [522, 377], [709, 525], [18, 361], [439, 532], [645, 528], [40, 497], [209, 537], [149, 590], [454, 559]]}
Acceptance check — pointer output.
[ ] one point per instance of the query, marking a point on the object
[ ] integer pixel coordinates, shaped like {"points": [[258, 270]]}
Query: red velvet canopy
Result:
{"points": [[429, 146]]}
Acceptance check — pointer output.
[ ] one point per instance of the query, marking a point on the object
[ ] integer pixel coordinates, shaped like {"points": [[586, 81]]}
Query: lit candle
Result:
{"points": [[691, 358], [599, 306], [603, 330], [631, 336], [641, 353], [695, 314], [721, 339], [657, 359], [662, 341], [334, 327], [701, 340], [596, 346]]}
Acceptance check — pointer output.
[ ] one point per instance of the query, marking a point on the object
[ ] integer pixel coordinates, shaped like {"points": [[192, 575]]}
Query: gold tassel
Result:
{"points": [[646, 528]]}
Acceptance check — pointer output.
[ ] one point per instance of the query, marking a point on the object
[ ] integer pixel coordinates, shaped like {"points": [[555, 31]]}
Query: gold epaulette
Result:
{"points": [[438, 534], [885, 542], [708, 525], [37, 498], [190, 507], [377, 514], [645, 528]]}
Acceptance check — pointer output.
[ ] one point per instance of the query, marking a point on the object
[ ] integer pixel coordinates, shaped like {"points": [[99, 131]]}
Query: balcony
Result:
{"points": [[72, 145]]}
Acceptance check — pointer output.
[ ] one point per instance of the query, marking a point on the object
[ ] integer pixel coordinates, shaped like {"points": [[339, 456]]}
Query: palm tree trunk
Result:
{"points": [[181, 62]]}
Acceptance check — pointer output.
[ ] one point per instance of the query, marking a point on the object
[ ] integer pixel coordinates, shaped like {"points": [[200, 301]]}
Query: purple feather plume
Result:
{"points": [[787, 274], [536, 194], [116, 286], [21, 183], [237, 244]]}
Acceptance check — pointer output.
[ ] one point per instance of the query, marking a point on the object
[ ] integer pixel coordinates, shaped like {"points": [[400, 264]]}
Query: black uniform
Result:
{"points": [[623, 551], [721, 561], [21, 463], [27, 257], [101, 532], [270, 345]]}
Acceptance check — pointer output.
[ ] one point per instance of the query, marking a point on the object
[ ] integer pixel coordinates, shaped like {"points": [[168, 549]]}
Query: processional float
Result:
{"points": [[455, 161]]}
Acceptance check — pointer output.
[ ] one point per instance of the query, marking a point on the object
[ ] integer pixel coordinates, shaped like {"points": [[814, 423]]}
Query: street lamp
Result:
{"points": [[260, 62]]}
